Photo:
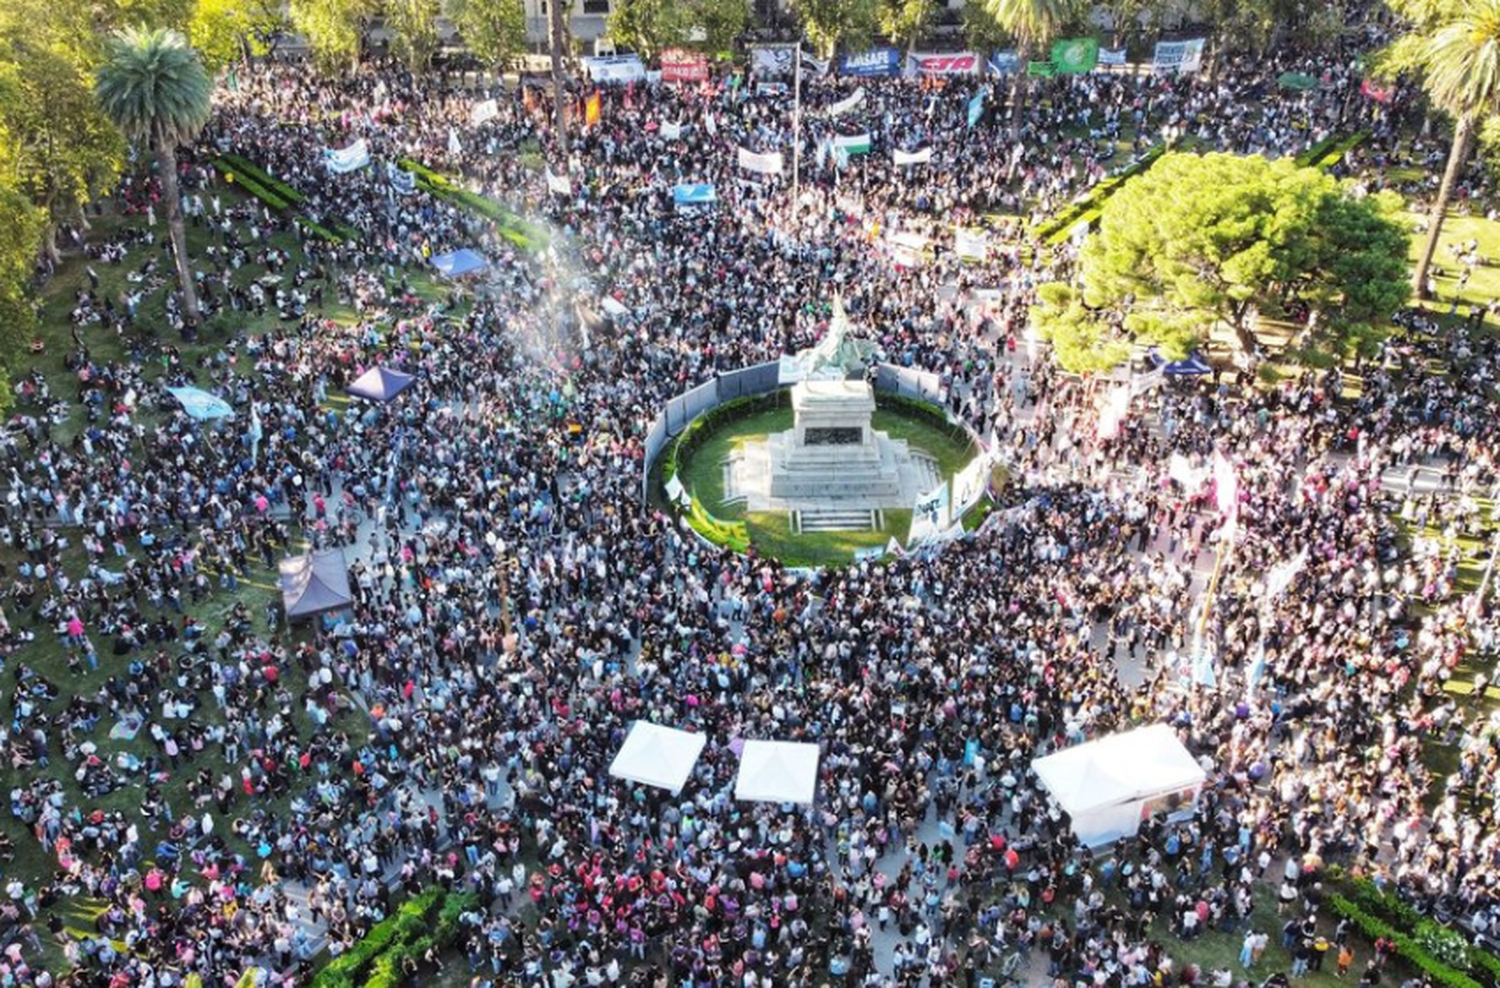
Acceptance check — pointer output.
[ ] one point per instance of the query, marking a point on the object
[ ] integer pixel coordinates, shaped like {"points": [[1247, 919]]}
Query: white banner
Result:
{"points": [[908, 249], [912, 158], [615, 69], [455, 147], [559, 184], [671, 131], [970, 485], [971, 244], [1178, 56], [814, 66], [770, 61], [403, 183], [484, 112], [1181, 469], [769, 163], [355, 156], [845, 105], [1111, 56], [929, 516]]}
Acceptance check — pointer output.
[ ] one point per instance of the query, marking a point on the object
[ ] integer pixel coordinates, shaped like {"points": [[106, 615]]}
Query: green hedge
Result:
{"points": [[1060, 226], [699, 429], [1330, 150], [263, 178], [1442, 942], [378, 955], [250, 185], [932, 414], [527, 236], [1410, 948]]}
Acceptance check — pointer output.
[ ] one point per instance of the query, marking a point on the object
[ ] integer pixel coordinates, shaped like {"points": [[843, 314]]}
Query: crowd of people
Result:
{"points": [[241, 794]]}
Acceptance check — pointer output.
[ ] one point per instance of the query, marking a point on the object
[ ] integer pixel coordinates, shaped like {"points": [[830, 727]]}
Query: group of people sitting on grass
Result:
{"points": [[214, 790]]}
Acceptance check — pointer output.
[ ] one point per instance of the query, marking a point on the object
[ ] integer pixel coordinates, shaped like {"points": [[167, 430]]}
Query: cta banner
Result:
{"points": [[951, 63]]}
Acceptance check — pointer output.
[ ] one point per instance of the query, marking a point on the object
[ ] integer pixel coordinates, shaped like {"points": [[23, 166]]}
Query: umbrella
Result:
{"points": [[201, 405], [380, 384]]}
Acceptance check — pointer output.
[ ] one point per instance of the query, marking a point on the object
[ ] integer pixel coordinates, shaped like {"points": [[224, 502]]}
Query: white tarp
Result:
{"points": [[777, 772], [657, 756], [1110, 785]]}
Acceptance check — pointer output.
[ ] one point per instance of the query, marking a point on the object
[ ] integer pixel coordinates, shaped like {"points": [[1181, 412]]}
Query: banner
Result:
{"points": [[953, 63], [1113, 410], [772, 89], [913, 157], [403, 183], [852, 143], [770, 61], [976, 107], [815, 66], [484, 112], [1044, 69], [348, 159], [1075, 56], [559, 184], [455, 147], [694, 194], [1005, 62], [929, 516], [909, 250], [1178, 56], [1111, 56], [617, 69], [970, 485], [763, 164], [591, 110], [1181, 469], [875, 62], [683, 66], [845, 105], [971, 244], [671, 131]]}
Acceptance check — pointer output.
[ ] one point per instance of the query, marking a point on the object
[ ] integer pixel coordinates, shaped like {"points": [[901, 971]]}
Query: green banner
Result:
{"points": [[1041, 68], [1074, 56]]}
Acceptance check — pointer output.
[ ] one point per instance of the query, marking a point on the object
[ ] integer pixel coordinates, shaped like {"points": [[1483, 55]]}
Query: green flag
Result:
{"points": [[1041, 68], [1074, 56]]}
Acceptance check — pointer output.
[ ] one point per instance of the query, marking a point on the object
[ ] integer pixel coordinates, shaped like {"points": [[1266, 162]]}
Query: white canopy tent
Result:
{"points": [[657, 756], [777, 772], [1110, 785]]}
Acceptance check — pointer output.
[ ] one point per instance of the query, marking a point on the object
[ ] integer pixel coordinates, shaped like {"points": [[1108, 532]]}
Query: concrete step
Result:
{"points": [[831, 520]]}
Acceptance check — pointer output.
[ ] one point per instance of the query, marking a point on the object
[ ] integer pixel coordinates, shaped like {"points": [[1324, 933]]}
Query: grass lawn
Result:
{"points": [[771, 531], [1483, 285]]}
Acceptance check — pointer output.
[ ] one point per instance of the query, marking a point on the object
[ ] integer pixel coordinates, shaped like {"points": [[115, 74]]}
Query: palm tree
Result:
{"points": [[1459, 56], [1032, 23], [154, 88]]}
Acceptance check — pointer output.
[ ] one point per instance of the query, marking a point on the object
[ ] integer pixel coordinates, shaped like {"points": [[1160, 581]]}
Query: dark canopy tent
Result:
{"points": [[1192, 364], [314, 583], [381, 384]]}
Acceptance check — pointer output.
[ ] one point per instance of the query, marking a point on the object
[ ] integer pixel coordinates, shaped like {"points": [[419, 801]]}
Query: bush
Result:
{"points": [[1089, 206], [264, 178], [250, 185], [680, 450], [933, 415], [1444, 943], [527, 236], [1410, 948]]}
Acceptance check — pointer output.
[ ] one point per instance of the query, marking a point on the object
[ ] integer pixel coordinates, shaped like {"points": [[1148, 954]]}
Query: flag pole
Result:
{"points": [[796, 122]]}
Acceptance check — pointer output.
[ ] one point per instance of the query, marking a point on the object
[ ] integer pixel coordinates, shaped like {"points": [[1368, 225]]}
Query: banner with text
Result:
{"points": [[912, 157], [766, 60], [617, 69], [683, 66], [929, 516], [768, 163], [355, 156], [875, 62], [950, 63], [1178, 56]]}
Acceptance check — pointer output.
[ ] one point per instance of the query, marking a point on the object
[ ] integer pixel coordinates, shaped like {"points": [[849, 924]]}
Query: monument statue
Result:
{"points": [[838, 355]]}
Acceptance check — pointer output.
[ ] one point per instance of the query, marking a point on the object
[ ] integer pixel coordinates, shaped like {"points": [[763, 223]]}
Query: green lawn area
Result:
{"points": [[1483, 285], [771, 531]]}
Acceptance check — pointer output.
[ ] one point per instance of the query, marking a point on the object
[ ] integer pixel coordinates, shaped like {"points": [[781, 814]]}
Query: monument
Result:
{"points": [[832, 470]]}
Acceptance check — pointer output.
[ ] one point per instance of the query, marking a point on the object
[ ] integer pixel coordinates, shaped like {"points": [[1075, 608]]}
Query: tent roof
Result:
{"points": [[381, 384], [777, 772], [657, 756], [1119, 768], [459, 263], [1192, 364], [314, 583]]}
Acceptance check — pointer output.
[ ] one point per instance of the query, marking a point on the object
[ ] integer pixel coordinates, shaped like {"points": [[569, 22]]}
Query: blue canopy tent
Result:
{"points": [[201, 405], [459, 263], [1192, 364], [694, 194], [381, 384]]}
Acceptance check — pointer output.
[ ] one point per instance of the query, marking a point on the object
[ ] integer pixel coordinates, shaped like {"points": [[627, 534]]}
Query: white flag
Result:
{"points": [[845, 105], [912, 158], [559, 184], [710, 124], [484, 112], [671, 131], [454, 147]]}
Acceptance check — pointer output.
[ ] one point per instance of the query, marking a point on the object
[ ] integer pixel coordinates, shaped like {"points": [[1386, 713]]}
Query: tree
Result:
{"points": [[333, 29], [494, 30], [648, 27], [903, 21], [20, 239], [829, 23], [715, 25], [222, 31], [1082, 342], [1455, 46], [1032, 23], [1198, 242], [414, 31], [154, 88]]}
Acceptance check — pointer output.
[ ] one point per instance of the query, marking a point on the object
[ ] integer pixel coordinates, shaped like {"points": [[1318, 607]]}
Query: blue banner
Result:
{"points": [[696, 194], [976, 106], [875, 62], [1005, 62]]}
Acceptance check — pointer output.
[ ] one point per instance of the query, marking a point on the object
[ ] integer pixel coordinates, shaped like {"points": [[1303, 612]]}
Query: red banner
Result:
{"points": [[955, 63], [683, 66]]}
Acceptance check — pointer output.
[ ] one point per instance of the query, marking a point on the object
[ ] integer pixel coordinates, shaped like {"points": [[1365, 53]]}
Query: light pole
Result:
{"points": [[796, 122]]}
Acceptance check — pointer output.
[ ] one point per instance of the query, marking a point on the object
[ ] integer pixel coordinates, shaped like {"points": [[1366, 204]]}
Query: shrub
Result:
{"points": [[250, 185], [1091, 204], [264, 178], [1410, 948], [1443, 942]]}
